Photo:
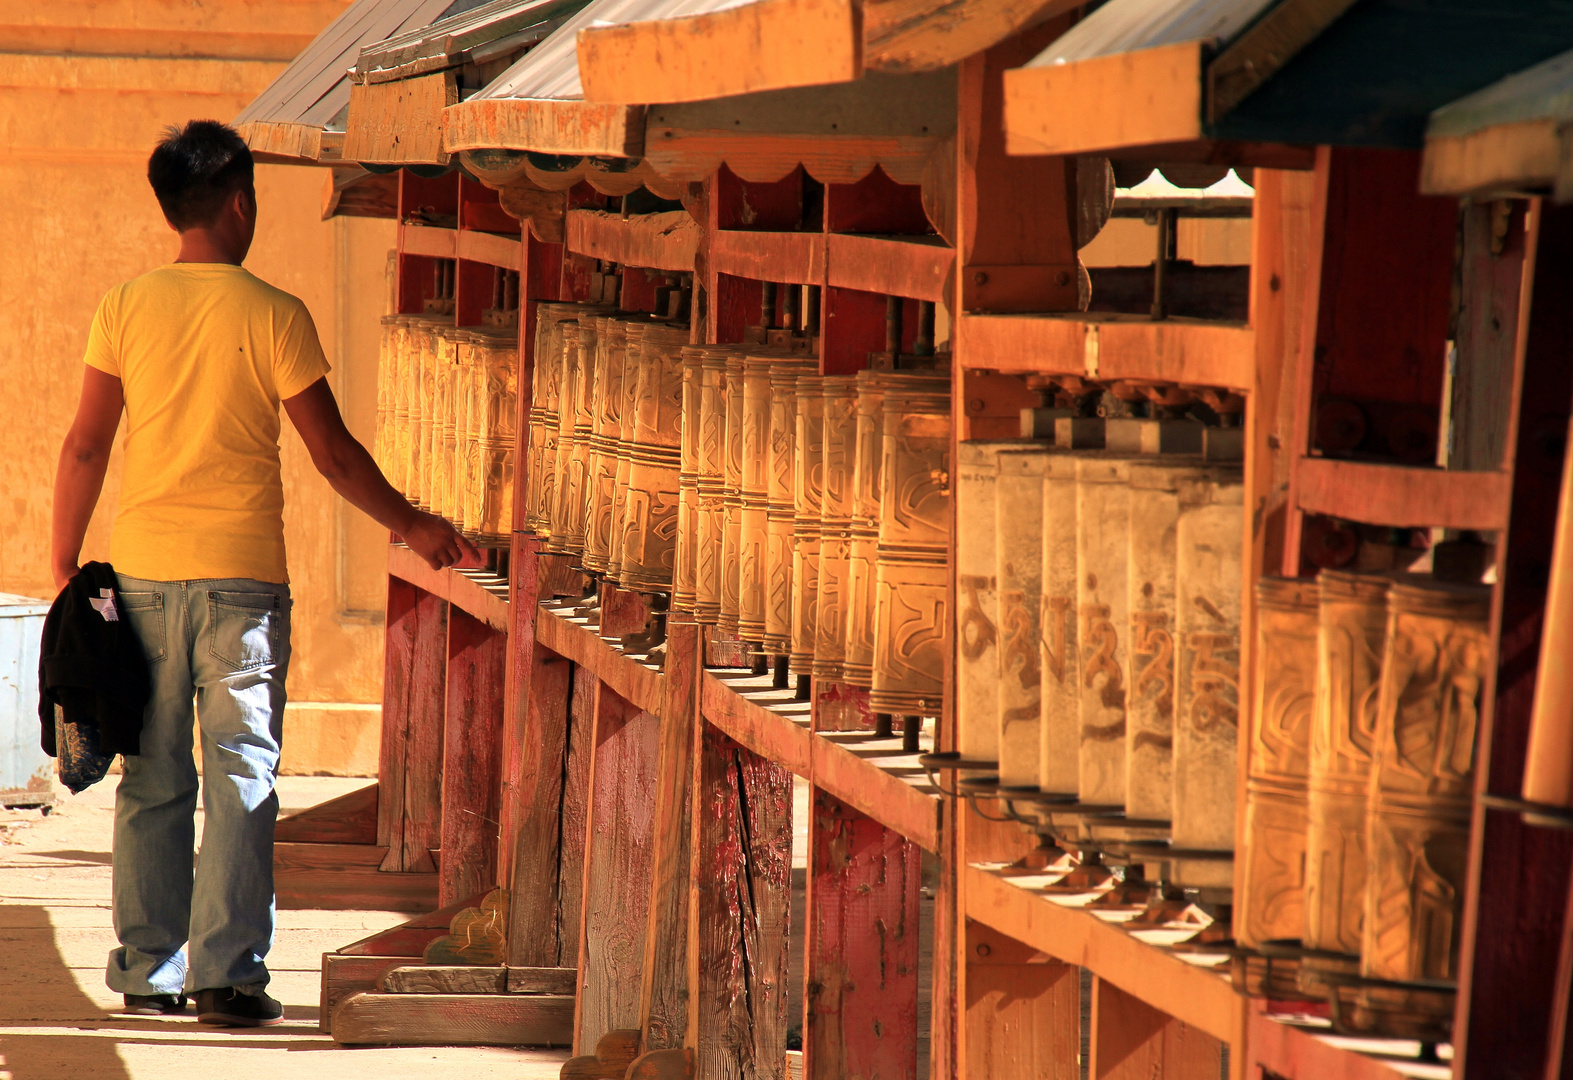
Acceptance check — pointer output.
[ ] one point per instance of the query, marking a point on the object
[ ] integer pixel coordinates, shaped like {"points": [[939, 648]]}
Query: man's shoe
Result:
{"points": [[228, 1006], [154, 1004]]}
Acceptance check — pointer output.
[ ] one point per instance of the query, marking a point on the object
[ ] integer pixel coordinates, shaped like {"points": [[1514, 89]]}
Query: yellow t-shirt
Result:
{"points": [[205, 352]]}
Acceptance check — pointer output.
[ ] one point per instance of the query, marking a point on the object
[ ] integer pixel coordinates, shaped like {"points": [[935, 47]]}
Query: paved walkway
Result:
{"points": [[56, 1019]]}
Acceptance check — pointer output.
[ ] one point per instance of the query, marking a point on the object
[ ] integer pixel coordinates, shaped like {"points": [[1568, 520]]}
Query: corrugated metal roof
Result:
{"points": [[1542, 92], [315, 89], [551, 70], [496, 28], [1127, 25]]}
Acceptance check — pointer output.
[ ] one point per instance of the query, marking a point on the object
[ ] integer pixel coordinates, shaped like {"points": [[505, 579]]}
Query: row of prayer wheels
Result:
{"points": [[808, 516], [1098, 631], [1359, 789], [447, 399]]}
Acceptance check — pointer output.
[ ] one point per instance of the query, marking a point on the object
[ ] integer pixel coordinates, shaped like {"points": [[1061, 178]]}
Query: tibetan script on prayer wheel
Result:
{"points": [[709, 527], [977, 601], [808, 492], [863, 548], [780, 503], [732, 528], [1018, 573], [606, 406], [1059, 659], [1149, 732], [835, 526], [649, 499], [1102, 554], [684, 592]]}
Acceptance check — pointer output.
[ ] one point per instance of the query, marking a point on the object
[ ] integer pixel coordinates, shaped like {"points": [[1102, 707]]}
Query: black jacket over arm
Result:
{"points": [[91, 666]]}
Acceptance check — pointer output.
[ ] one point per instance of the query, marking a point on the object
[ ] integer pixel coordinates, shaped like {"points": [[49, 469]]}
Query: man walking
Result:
{"points": [[199, 355]]}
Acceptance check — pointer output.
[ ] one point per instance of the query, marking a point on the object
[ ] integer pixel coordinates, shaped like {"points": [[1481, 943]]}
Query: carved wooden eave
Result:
{"points": [[400, 123], [292, 144]]}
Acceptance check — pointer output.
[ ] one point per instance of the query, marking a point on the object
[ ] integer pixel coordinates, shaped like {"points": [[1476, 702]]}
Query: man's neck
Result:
{"points": [[201, 245]]}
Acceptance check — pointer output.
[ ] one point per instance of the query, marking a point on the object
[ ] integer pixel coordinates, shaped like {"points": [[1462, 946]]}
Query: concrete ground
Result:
{"points": [[57, 1017]]}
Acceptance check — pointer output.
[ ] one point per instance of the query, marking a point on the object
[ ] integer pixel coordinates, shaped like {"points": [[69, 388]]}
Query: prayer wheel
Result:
{"points": [[622, 444], [494, 420], [754, 497], [977, 600], [553, 321], [386, 375], [1352, 627], [1102, 603], [1209, 538], [684, 567], [1059, 658], [403, 392], [781, 506], [863, 546], [567, 527], [1271, 904], [649, 520], [710, 526], [835, 527], [1435, 668], [1149, 734], [1548, 763], [606, 406], [807, 495], [423, 418], [578, 521], [453, 345], [732, 528], [912, 624], [1019, 536]]}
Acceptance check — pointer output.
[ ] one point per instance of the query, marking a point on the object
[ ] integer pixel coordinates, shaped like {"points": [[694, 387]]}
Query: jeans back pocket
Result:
{"points": [[244, 629], [145, 612]]}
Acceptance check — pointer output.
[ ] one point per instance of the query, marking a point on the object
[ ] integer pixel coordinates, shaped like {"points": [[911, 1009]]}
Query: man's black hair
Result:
{"points": [[195, 168]]}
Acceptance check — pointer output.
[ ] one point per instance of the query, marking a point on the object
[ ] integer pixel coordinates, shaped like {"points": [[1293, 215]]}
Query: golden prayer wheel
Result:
{"points": [[1435, 668], [622, 445], [648, 549], [1352, 628], [606, 406], [397, 466], [835, 526], [754, 497], [780, 512], [455, 345], [423, 338], [863, 553], [1209, 539], [710, 524], [1149, 715], [567, 534], [494, 421], [912, 625], [1019, 536], [977, 601], [552, 321], [1059, 659], [732, 527], [808, 486], [1102, 608], [684, 572], [385, 392], [580, 479], [1271, 905]]}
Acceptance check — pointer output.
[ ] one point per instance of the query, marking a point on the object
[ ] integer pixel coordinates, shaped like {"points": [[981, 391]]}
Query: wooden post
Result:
{"points": [[524, 593], [1516, 910], [616, 868], [533, 936], [1022, 1017], [738, 910], [471, 759], [861, 968], [1131, 1040], [409, 806]]}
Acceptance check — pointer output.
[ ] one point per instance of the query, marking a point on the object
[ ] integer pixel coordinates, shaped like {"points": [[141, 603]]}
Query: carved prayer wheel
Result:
{"points": [[494, 413], [1019, 536], [649, 519], [732, 527], [1209, 537], [1352, 628], [863, 548], [683, 569], [977, 600], [807, 495], [1271, 904], [622, 445], [781, 507], [835, 526], [754, 497], [912, 625], [381, 445], [1149, 717], [567, 528], [1435, 667], [397, 464], [457, 355], [1059, 660], [552, 322], [710, 526], [1103, 618], [423, 416], [606, 407]]}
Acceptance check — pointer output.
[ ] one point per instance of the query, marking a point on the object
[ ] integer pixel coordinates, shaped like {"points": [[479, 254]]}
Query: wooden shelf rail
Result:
{"points": [[478, 593], [572, 636], [1403, 496], [483, 247], [665, 241], [914, 266]]}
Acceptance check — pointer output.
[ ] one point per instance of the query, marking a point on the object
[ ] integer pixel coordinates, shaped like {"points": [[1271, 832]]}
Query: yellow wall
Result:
{"points": [[85, 88]]}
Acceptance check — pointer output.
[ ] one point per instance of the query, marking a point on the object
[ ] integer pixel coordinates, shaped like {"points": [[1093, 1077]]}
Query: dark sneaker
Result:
{"points": [[154, 1004], [228, 1006]]}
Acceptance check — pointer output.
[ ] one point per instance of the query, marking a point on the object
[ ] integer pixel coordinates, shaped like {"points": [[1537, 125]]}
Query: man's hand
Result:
{"points": [[84, 458], [438, 542], [354, 475]]}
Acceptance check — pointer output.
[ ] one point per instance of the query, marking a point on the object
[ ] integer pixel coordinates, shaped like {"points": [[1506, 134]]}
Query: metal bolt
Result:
{"points": [[1062, 278], [984, 950], [980, 277], [976, 405]]}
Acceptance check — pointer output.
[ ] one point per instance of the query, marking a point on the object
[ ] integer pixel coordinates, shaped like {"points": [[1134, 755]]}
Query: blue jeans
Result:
{"points": [[226, 644]]}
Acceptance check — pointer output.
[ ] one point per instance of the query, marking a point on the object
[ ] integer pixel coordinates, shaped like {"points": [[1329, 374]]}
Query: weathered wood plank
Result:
{"points": [[921, 35], [441, 979], [1133, 1041], [408, 939], [916, 267], [781, 257], [525, 571], [289, 857], [533, 926], [545, 125], [349, 819], [343, 975], [541, 980], [471, 785], [839, 765], [1402, 496], [1291, 1052], [665, 241], [765, 733], [861, 969], [453, 1020], [430, 240], [489, 248], [618, 850], [637, 682], [355, 888], [576, 815], [400, 122], [1022, 1013], [463, 591], [424, 686]]}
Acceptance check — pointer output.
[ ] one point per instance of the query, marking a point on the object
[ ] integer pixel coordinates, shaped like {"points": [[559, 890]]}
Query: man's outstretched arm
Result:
{"points": [[84, 459], [350, 469]]}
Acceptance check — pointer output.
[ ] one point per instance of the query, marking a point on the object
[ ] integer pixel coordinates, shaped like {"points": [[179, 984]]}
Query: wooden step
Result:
{"points": [[349, 819], [373, 1019], [345, 877], [476, 979]]}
